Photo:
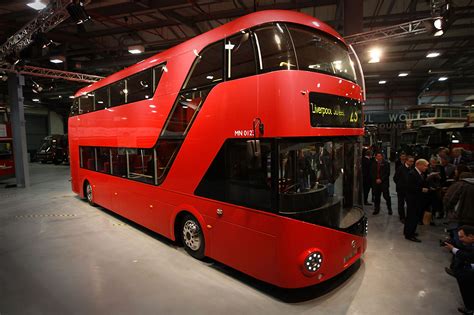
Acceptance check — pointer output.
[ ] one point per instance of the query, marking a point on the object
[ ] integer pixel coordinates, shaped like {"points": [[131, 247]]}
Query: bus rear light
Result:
{"points": [[313, 260]]}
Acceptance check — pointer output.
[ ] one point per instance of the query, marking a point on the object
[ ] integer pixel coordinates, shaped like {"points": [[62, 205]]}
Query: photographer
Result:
{"points": [[463, 267]]}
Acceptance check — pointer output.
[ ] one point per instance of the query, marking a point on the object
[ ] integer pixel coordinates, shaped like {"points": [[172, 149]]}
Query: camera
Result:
{"points": [[447, 240]]}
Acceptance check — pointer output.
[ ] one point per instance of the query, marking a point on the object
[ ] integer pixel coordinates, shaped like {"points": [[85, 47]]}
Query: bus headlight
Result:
{"points": [[313, 260]]}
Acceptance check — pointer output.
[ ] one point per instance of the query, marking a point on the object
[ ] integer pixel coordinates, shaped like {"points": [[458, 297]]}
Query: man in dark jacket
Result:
{"points": [[366, 178], [461, 193], [463, 267], [416, 191], [400, 178], [380, 174]]}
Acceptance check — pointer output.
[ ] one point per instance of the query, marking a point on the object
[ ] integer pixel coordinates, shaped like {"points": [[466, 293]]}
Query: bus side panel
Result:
{"points": [[141, 203], [244, 239], [228, 109]]}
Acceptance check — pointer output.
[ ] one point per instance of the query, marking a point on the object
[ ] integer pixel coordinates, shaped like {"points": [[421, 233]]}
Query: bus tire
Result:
{"points": [[89, 193], [192, 237]]}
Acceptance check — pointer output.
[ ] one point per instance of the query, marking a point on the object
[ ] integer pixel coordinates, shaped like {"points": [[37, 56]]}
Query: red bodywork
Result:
{"points": [[262, 244], [7, 164]]}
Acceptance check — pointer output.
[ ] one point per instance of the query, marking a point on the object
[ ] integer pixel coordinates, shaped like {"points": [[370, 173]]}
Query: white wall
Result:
{"points": [[56, 124]]}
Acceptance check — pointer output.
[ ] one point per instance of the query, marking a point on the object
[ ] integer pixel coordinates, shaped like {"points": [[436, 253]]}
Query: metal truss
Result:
{"points": [[54, 74], [400, 30], [47, 19]]}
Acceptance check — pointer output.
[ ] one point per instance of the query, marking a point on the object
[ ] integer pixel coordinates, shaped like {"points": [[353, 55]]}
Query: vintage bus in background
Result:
{"points": [[53, 149], [7, 164], [437, 113], [243, 144], [432, 126]]}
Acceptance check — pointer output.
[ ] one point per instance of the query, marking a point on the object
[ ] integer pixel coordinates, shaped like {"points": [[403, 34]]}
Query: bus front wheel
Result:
{"points": [[89, 193], [192, 237]]}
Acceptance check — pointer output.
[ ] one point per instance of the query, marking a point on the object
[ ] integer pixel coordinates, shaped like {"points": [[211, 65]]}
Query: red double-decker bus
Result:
{"points": [[242, 143]]}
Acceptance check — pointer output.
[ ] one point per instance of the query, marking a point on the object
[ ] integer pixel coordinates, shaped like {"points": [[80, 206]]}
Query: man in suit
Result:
{"points": [[448, 167], [380, 174], [400, 178], [416, 190], [401, 160], [457, 157], [366, 178], [463, 267]]}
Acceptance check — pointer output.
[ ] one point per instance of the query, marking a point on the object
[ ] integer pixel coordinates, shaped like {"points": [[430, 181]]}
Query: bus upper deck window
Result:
{"points": [[208, 67], [275, 48], [86, 103], [118, 93], [139, 86], [102, 98], [240, 54], [321, 53]]}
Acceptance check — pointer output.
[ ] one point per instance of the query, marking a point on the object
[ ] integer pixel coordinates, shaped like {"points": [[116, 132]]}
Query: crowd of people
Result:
{"points": [[441, 188]]}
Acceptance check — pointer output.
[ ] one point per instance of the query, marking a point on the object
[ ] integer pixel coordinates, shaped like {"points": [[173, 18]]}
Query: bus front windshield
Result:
{"points": [[321, 181]]}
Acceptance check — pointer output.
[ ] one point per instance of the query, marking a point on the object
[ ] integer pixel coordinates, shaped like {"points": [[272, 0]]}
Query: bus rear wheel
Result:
{"points": [[88, 192], [192, 237]]}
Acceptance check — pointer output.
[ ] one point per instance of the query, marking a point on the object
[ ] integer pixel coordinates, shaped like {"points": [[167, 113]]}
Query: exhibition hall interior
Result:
{"points": [[237, 156]]}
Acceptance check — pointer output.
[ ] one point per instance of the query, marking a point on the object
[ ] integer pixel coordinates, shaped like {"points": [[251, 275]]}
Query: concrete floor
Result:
{"points": [[58, 255]]}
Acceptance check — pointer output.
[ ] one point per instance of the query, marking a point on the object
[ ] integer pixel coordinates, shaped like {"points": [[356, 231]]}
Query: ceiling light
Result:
{"points": [[375, 54], [438, 33], [403, 74], [71, 96], [442, 78], [433, 54], [35, 100], [37, 5], [57, 59], [136, 49], [382, 82]]}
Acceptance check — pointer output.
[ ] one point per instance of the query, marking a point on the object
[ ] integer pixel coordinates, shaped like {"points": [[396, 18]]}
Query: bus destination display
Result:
{"points": [[327, 110]]}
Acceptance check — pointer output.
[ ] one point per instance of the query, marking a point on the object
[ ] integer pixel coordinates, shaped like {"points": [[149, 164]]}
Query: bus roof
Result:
{"points": [[433, 106], [202, 40], [454, 125]]}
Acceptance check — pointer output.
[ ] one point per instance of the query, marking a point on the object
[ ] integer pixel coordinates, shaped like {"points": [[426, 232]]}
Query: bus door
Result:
{"points": [[240, 176], [131, 168]]}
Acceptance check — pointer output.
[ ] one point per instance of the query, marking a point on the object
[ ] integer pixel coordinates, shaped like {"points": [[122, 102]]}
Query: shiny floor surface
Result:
{"points": [[58, 255]]}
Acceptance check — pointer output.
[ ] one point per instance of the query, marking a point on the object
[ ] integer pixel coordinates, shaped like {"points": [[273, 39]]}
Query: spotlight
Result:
{"points": [[41, 40], [77, 12], [36, 88], [438, 23], [442, 78], [375, 54]]}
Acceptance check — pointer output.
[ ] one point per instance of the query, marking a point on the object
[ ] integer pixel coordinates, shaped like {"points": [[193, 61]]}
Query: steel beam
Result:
{"points": [[20, 153], [400, 30], [54, 74], [47, 19]]}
